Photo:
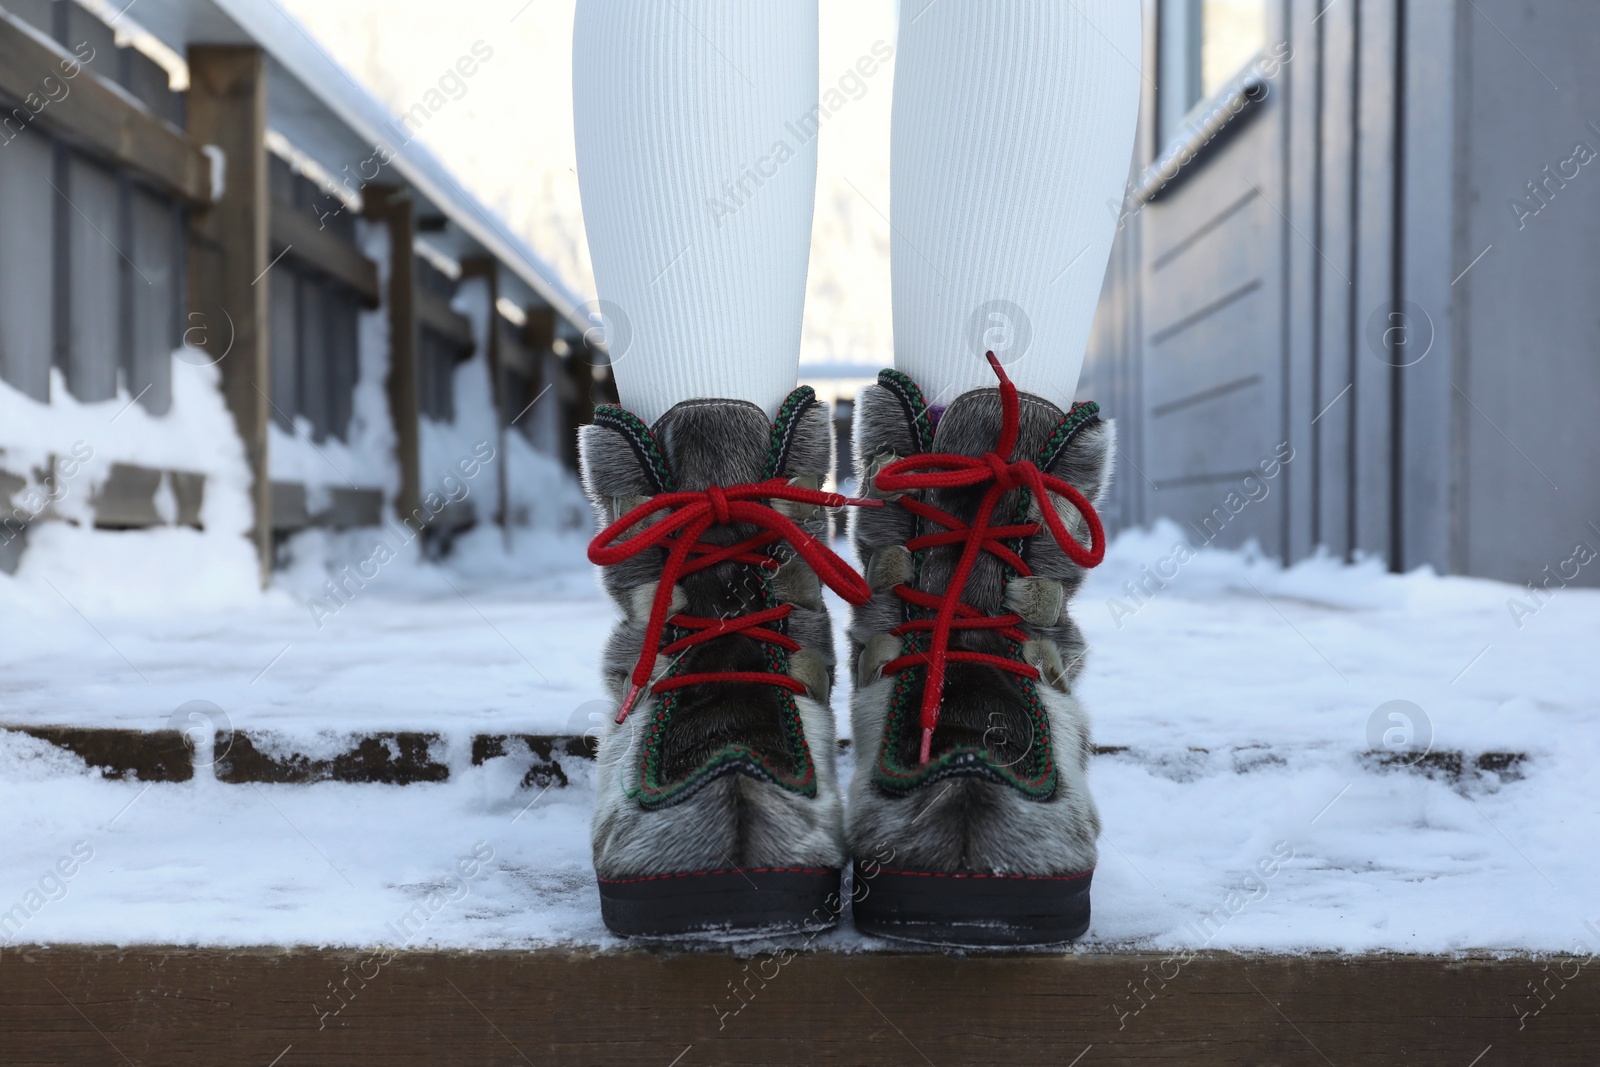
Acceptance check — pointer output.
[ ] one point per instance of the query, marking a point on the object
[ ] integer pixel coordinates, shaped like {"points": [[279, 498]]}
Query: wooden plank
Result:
{"points": [[126, 500], [1375, 161], [1527, 482], [27, 264], [148, 81], [349, 508], [394, 758], [1333, 400], [344, 354], [190, 491], [289, 511], [94, 281], [95, 114], [1298, 84], [313, 351], [390, 206], [142, 755], [544, 753], [555, 414], [788, 1004], [228, 107], [488, 270], [319, 249], [1431, 194], [400, 757], [154, 287], [283, 304], [439, 317]]}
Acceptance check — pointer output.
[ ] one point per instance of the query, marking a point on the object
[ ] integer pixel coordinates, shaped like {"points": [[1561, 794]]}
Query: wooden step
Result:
{"points": [[682, 1009], [400, 757]]}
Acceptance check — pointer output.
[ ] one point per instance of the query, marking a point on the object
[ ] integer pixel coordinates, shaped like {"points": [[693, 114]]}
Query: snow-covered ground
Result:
{"points": [[1247, 696]]}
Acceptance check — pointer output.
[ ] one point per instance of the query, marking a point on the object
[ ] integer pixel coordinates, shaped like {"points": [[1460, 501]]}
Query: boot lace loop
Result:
{"points": [[686, 518]]}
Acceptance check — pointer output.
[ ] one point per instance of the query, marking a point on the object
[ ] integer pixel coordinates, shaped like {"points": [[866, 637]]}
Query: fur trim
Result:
{"points": [[733, 821]]}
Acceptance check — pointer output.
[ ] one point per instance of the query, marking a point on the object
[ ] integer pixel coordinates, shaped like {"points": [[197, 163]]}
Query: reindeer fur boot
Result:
{"points": [[971, 750], [718, 810]]}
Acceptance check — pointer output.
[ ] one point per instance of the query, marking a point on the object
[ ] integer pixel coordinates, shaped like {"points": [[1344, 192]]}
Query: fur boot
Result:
{"points": [[718, 808], [970, 819]]}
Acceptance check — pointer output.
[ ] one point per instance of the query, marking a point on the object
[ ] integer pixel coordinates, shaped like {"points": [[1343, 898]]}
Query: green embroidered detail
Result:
{"points": [[910, 395], [653, 790], [643, 441], [783, 428], [1081, 415], [1039, 781]]}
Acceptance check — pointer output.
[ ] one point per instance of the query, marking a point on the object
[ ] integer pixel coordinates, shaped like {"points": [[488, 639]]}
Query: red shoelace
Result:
{"points": [[944, 470], [691, 514]]}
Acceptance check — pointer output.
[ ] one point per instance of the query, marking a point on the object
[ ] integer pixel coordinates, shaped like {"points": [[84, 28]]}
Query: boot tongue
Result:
{"points": [[722, 443], [970, 426], [714, 442]]}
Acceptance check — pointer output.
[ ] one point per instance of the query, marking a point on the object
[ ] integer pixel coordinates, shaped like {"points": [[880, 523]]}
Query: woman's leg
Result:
{"points": [[1013, 131], [696, 198]]}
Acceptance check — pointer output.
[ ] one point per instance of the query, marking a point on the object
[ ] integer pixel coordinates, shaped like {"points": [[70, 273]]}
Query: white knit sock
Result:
{"points": [[1013, 130], [698, 182]]}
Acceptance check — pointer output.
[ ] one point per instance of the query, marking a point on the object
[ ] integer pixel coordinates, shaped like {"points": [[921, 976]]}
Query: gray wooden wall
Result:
{"points": [[1527, 460], [1300, 285], [91, 259]]}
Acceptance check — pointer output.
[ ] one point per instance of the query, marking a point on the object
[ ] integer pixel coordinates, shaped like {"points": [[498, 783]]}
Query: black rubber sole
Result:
{"points": [[971, 908], [722, 903]]}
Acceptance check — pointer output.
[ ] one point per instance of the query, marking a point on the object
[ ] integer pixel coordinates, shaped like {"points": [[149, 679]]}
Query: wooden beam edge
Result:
{"points": [[96, 114]]}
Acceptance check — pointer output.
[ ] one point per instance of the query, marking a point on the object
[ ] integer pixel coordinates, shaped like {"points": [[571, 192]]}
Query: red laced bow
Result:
{"points": [[945, 470], [691, 514]]}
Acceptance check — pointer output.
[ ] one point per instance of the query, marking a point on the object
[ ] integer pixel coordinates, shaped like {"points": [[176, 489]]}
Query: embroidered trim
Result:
{"points": [[641, 440], [652, 790], [784, 426], [895, 777], [916, 408], [1079, 418]]}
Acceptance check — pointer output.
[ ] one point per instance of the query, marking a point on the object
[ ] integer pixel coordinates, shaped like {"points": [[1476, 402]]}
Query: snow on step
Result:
{"points": [[1245, 803]]}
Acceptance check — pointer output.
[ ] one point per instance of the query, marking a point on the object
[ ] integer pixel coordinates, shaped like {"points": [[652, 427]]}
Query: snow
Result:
{"points": [[1243, 692], [197, 434], [180, 569]]}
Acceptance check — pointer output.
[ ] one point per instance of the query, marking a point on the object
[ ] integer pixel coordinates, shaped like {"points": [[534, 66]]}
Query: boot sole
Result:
{"points": [[723, 903], [970, 907]]}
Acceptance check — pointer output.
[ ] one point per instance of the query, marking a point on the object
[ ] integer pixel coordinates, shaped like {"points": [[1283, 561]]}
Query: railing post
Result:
{"points": [[227, 319], [394, 208], [488, 269]]}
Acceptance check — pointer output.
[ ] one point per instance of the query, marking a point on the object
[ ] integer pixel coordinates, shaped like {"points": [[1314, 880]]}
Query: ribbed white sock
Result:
{"points": [[1013, 129], [698, 182]]}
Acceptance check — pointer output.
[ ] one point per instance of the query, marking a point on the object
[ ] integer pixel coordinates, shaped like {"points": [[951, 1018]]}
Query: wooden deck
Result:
{"points": [[679, 1009]]}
